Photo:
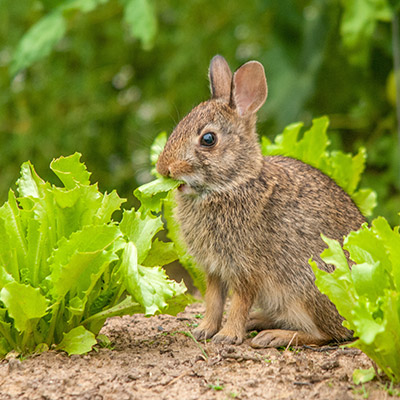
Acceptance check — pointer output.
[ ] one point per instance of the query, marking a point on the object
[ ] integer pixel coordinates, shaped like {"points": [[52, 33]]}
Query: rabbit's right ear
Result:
{"points": [[220, 78], [250, 89]]}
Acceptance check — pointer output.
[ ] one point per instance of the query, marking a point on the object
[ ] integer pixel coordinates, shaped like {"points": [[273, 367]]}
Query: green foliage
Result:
{"points": [[217, 387], [39, 41], [368, 295], [311, 148], [66, 266], [359, 23], [141, 18], [41, 38]]}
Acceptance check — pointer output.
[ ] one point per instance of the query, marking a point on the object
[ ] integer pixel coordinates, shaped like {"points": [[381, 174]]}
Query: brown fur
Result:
{"points": [[253, 222]]}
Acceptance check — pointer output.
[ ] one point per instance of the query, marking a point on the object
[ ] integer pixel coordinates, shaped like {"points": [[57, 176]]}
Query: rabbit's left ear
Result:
{"points": [[220, 78], [250, 89]]}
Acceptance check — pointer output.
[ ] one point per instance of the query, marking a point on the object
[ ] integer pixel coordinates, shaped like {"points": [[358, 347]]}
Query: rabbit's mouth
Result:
{"points": [[190, 187], [186, 189]]}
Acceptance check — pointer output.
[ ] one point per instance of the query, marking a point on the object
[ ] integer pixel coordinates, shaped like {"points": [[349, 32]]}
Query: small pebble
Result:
{"points": [[14, 364]]}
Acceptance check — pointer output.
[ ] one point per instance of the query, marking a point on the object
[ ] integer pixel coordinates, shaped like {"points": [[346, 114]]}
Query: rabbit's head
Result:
{"points": [[215, 147]]}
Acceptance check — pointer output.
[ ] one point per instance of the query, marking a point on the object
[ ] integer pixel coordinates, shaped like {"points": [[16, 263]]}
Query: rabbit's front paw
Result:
{"points": [[227, 337], [203, 332]]}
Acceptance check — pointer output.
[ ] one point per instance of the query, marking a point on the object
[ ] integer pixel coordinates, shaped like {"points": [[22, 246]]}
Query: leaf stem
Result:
{"points": [[119, 294], [37, 261], [25, 337], [53, 320], [125, 307]]}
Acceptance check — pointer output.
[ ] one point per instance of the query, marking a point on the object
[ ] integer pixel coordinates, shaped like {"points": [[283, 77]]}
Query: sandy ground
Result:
{"points": [[155, 358]]}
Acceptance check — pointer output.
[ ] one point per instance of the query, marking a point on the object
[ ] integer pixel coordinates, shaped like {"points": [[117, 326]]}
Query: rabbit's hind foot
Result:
{"points": [[284, 338]]}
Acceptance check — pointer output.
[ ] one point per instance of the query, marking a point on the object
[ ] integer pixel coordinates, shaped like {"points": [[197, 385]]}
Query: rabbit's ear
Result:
{"points": [[220, 78], [249, 88]]}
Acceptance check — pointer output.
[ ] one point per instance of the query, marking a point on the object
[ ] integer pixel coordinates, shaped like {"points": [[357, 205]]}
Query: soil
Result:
{"points": [[155, 358]]}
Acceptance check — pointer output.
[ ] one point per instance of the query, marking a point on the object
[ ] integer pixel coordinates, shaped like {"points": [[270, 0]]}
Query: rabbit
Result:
{"points": [[253, 222]]}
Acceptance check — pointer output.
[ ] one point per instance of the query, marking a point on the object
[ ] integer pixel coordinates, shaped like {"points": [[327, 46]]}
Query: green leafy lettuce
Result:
{"points": [[368, 294], [66, 266], [344, 169]]}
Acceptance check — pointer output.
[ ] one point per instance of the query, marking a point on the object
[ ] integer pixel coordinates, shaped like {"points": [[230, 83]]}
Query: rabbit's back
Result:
{"points": [[305, 203]]}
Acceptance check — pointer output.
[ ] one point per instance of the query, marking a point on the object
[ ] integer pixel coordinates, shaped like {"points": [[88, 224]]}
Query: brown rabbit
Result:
{"points": [[253, 222]]}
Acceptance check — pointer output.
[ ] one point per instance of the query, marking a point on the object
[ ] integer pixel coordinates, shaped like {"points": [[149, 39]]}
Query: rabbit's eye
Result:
{"points": [[208, 139]]}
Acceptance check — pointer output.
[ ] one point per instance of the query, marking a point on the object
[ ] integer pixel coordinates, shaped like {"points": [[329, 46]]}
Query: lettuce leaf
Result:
{"points": [[151, 194], [24, 304], [77, 341], [140, 228], [148, 285]]}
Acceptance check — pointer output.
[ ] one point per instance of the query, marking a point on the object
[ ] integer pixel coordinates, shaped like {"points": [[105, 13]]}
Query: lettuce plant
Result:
{"points": [[66, 266], [368, 294]]}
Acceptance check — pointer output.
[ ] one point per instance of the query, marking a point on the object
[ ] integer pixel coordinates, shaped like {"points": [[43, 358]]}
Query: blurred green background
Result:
{"points": [[104, 77]]}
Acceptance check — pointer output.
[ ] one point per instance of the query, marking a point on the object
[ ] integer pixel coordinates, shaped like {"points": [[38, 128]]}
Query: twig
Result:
{"points": [[177, 378], [291, 340]]}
